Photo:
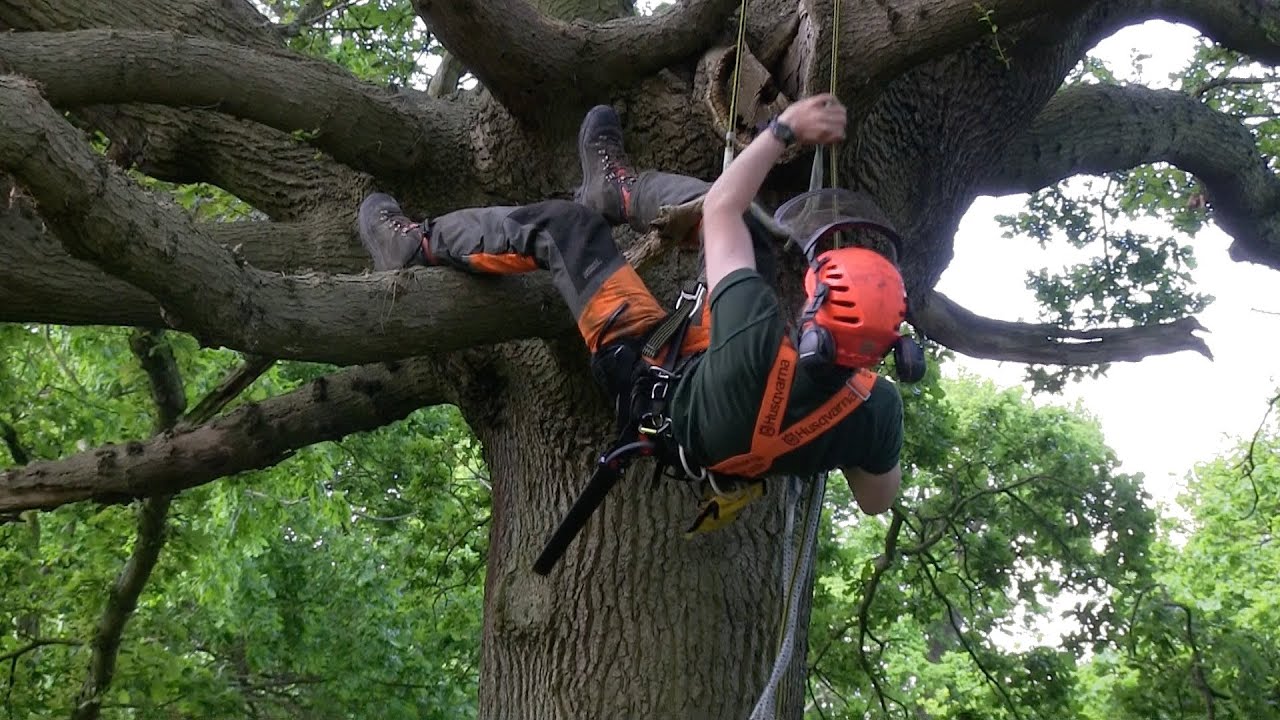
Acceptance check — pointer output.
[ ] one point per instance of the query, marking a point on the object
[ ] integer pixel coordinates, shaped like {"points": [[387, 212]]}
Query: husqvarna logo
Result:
{"points": [[778, 398], [799, 435]]}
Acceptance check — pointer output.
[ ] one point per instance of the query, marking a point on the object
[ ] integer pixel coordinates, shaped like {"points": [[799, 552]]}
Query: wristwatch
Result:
{"points": [[782, 131]]}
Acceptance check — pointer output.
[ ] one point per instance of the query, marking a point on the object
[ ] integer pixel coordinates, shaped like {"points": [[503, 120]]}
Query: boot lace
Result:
{"points": [[616, 168], [400, 223]]}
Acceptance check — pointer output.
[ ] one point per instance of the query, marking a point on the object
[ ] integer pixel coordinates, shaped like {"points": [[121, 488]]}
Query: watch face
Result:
{"points": [[782, 132]]}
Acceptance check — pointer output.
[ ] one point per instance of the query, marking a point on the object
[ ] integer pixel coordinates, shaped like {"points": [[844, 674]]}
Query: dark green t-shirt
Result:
{"points": [[714, 407]]}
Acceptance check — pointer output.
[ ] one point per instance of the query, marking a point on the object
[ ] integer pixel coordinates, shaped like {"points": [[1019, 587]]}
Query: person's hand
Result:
{"points": [[817, 120]]}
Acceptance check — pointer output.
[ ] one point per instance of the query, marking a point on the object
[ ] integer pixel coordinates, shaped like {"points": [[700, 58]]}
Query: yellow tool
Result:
{"points": [[720, 509]]}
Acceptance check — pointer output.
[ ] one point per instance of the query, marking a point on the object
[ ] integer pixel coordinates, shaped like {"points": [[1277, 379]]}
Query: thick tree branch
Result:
{"points": [[167, 391], [236, 21], [360, 125], [1102, 128], [445, 81], [945, 322], [265, 167], [880, 41], [251, 437], [891, 38], [528, 57], [101, 215], [45, 284]]}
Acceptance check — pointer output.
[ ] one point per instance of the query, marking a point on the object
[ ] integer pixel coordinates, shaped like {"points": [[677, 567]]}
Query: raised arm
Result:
{"points": [[817, 120]]}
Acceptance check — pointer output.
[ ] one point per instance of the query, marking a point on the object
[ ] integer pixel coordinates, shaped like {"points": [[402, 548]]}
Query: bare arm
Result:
{"points": [[874, 493], [816, 120]]}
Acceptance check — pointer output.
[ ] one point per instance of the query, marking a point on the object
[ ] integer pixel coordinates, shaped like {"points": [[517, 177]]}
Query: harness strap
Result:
{"points": [[769, 442], [669, 335]]}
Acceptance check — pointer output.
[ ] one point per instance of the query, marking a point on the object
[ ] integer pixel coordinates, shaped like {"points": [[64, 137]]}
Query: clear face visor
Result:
{"points": [[820, 214]]}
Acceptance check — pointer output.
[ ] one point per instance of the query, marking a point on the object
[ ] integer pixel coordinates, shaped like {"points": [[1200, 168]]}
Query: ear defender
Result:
{"points": [[816, 348], [855, 310], [908, 360]]}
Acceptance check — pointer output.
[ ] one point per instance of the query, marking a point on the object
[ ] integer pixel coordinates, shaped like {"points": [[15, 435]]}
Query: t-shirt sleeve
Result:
{"points": [[886, 436], [744, 302]]}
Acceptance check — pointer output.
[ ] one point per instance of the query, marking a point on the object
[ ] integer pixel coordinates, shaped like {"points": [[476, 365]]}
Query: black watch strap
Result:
{"points": [[782, 131]]}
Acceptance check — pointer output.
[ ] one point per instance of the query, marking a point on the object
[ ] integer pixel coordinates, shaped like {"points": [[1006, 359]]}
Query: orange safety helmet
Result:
{"points": [[857, 303], [857, 300]]}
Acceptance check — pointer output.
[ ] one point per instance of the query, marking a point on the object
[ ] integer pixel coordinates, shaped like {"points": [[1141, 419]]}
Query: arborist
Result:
{"points": [[724, 390]]}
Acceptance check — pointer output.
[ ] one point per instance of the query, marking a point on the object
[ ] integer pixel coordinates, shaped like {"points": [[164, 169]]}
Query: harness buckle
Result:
{"points": [[853, 388]]}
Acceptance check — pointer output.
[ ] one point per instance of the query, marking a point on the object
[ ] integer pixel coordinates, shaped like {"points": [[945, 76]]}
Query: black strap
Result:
{"points": [[662, 334], [670, 333]]}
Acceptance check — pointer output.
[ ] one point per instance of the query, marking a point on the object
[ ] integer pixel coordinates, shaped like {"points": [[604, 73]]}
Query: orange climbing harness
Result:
{"points": [[769, 441]]}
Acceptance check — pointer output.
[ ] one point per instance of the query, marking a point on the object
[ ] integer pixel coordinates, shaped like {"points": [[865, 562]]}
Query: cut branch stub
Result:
{"points": [[758, 97], [677, 222]]}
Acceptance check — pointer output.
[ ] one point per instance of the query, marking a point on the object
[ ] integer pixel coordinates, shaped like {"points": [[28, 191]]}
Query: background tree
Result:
{"points": [[1201, 639], [949, 101]]}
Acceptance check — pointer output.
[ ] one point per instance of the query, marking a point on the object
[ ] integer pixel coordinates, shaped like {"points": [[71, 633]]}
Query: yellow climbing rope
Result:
{"points": [[733, 93]]}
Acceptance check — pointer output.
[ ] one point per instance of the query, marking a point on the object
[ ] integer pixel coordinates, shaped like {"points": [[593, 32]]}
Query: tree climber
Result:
{"points": [[739, 380]]}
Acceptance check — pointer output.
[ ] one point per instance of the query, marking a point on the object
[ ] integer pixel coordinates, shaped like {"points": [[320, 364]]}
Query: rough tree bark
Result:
{"points": [[636, 622]]}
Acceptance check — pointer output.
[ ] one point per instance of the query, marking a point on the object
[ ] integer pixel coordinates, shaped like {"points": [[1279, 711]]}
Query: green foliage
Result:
{"points": [[1228, 82], [1135, 278], [381, 41], [344, 582], [1007, 506], [348, 580], [1204, 637]]}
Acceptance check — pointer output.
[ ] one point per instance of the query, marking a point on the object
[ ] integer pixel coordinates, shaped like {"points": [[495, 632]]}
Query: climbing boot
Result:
{"points": [[390, 237], [607, 175]]}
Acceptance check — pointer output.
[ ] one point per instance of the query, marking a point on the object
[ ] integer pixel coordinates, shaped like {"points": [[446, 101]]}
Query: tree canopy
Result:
{"points": [[186, 302]]}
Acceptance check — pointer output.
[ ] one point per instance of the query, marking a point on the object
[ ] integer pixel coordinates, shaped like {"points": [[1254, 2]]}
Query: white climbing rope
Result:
{"points": [[794, 573]]}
